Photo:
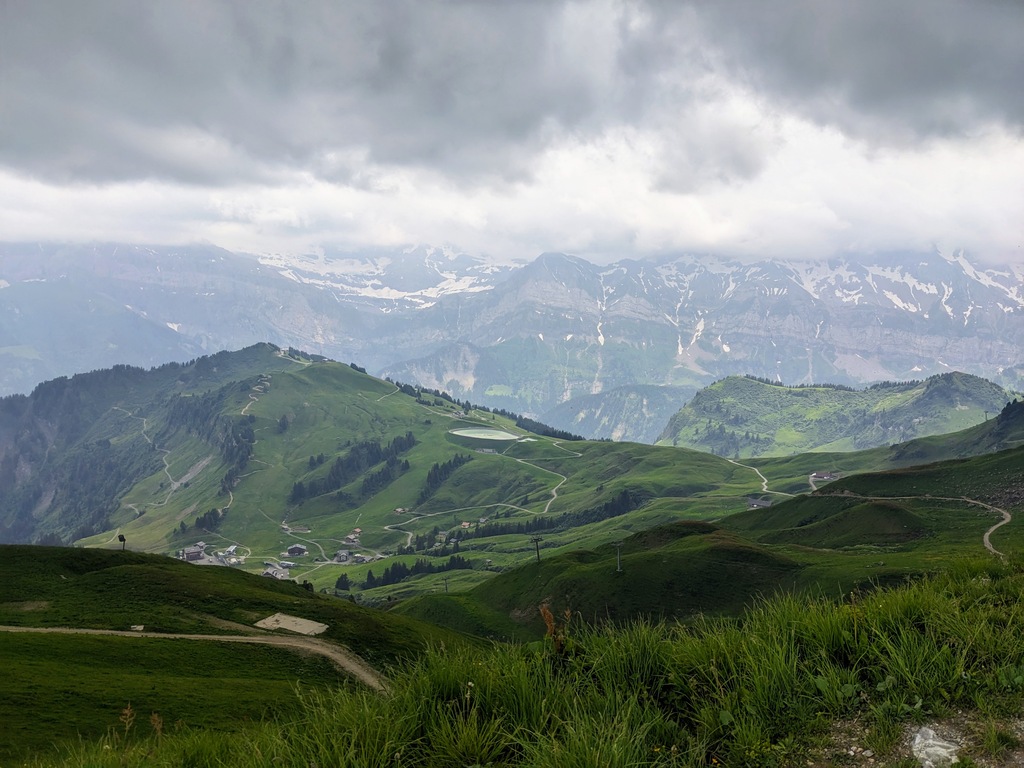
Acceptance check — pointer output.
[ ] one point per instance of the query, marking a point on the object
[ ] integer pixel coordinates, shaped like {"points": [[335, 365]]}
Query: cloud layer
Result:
{"points": [[605, 128]]}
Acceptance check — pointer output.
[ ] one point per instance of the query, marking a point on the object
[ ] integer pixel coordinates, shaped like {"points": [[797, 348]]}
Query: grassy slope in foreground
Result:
{"points": [[761, 691], [60, 686], [751, 417]]}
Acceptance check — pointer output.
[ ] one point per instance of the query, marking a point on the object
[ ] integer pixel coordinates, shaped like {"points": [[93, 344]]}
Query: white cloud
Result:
{"points": [[603, 128]]}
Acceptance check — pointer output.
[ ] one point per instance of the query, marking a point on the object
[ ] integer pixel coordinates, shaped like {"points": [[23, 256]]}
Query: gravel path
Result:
{"points": [[342, 658]]}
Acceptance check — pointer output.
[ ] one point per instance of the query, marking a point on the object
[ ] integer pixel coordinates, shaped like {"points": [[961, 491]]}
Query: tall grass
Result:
{"points": [[715, 692]]}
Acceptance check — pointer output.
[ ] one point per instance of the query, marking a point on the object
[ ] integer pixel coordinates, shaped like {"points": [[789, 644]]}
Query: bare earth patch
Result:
{"points": [[292, 624]]}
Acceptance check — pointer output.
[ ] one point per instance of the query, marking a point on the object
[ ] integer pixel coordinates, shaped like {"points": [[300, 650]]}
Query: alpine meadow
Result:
{"points": [[564, 384]]}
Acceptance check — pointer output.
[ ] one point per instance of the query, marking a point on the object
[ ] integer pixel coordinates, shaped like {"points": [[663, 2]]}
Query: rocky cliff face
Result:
{"points": [[559, 338]]}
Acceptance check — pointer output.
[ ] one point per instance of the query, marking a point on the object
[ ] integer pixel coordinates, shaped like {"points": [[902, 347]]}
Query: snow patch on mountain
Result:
{"points": [[899, 302]]}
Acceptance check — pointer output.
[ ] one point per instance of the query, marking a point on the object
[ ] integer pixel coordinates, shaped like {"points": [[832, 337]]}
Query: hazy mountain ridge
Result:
{"points": [[531, 338]]}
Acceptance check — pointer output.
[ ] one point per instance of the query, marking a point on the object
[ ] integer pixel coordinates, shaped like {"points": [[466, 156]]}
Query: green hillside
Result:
{"points": [[62, 686], [462, 518], [745, 417], [875, 527], [915, 516], [676, 570], [257, 452], [311, 470]]}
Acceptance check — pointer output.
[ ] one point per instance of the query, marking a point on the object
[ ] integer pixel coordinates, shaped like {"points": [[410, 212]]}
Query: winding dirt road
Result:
{"points": [[345, 660], [762, 478]]}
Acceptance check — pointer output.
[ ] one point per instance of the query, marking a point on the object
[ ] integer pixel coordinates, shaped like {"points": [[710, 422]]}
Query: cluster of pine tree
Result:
{"points": [[824, 385], [377, 481], [347, 468], [438, 473], [208, 521], [720, 441], [397, 572]]}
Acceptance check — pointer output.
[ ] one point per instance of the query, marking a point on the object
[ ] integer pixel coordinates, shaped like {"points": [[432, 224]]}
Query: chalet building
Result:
{"points": [[193, 553], [297, 550]]}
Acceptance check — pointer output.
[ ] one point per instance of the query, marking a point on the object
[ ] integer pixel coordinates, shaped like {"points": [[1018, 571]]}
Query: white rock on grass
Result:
{"points": [[932, 751]]}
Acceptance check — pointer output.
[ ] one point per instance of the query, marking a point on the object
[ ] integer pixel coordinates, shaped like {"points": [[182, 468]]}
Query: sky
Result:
{"points": [[803, 128]]}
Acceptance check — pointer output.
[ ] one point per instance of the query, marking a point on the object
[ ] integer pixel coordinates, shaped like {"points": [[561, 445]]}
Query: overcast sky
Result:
{"points": [[606, 129]]}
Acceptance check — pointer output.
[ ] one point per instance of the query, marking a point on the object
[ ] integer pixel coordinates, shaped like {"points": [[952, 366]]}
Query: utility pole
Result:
{"points": [[618, 556], [446, 585], [536, 542]]}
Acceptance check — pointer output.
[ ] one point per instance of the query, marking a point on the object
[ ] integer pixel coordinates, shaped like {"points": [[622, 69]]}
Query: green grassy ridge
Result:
{"points": [[994, 478], [676, 570], [101, 589], [1003, 432], [745, 417], [326, 407], [914, 515], [872, 523], [762, 690]]}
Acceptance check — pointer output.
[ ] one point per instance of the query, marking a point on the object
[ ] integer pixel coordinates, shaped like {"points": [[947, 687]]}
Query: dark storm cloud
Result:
{"points": [[210, 93], [112, 90], [886, 71]]}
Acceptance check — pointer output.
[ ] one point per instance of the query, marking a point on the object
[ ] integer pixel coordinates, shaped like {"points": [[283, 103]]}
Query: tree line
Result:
{"points": [[438, 473], [349, 467], [399, 571]]}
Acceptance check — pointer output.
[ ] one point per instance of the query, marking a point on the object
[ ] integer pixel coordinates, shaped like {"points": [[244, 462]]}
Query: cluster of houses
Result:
{"points": [[279, 570], [196, 553], [344, 556]]}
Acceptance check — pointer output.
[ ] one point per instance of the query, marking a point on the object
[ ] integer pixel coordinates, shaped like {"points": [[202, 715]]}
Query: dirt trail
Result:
{"points": [[345, 660], [764, 480]]}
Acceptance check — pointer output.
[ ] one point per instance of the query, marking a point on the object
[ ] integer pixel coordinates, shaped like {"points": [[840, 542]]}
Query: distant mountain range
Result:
{"points": [[606, 351]]}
